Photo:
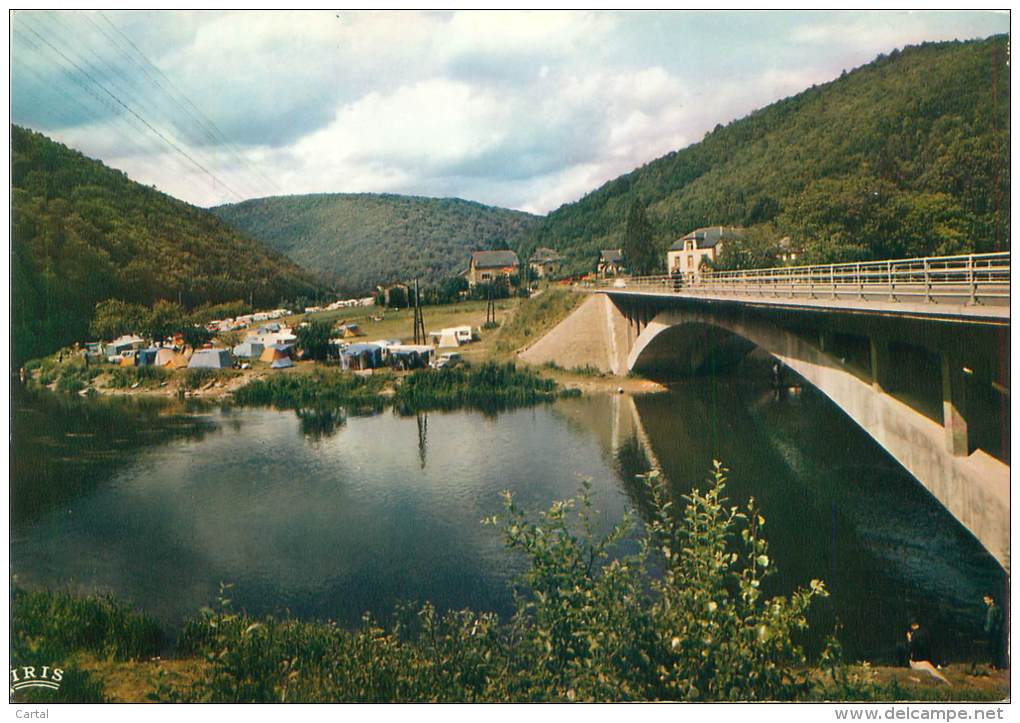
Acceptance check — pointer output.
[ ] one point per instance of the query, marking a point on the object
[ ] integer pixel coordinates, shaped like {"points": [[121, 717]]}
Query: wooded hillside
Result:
{"points": [[907, 155], [83, 232], [363, 239]]}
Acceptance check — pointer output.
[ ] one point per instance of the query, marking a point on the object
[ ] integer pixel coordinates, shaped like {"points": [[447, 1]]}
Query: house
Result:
{"points": [[487, 266], [701, 246], [789, 251], [610, 263], [394, 294], [545, 262]]}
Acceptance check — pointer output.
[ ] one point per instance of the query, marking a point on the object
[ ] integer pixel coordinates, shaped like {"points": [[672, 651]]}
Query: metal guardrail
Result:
{"points": [[969, 279]]}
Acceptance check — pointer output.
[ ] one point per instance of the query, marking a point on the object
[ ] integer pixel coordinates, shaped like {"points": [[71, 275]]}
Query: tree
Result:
{"points": [[639, 252], [165, 319], [115, 318], [314, 339]]}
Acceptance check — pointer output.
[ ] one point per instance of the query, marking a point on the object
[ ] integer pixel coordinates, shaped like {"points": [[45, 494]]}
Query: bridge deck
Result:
{"points": [[947, 309]]}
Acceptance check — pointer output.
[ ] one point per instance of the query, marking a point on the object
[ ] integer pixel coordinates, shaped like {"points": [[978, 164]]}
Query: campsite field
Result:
{"points": [[520, 323], [381, 323]]}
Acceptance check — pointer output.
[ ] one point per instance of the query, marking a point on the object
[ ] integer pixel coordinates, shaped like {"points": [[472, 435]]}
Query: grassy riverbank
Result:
{"points": [[486, 386], [590, 625]]}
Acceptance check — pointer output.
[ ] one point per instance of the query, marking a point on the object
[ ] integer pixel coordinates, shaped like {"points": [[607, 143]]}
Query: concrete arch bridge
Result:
{"points": [[915, 352]]}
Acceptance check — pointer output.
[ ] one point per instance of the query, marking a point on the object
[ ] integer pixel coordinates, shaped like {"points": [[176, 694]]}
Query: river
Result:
{"points": [[329, 516]]}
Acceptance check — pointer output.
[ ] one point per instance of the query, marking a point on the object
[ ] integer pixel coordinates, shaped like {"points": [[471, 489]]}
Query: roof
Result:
{"points": [[543, 255], [611, 256], [708, 237], [494, 259]]}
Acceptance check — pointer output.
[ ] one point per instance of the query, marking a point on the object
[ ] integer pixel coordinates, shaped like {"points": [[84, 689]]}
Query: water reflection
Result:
{"points": [[321, 423], [837, 508], [64, 446]]}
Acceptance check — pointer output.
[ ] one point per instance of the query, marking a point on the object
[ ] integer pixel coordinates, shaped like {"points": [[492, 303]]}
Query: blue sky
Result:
{"points": [[516, 109]]}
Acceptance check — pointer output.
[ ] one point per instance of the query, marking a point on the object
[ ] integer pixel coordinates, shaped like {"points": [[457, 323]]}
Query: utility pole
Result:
{"points": [[419, 321], [490, 307]]}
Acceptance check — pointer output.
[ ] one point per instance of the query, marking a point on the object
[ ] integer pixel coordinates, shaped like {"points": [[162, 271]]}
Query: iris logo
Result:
{"points": [[26, 677]]}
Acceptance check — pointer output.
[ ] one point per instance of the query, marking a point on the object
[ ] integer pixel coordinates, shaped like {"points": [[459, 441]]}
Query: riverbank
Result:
{"points": [[141, 681], [108, 653]]}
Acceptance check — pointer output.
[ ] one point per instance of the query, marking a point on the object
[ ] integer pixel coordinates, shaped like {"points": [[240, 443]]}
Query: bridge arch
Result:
{"points": [[974, 487]]}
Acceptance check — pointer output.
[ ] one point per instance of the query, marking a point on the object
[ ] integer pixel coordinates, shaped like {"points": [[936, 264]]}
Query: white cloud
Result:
{"points": [[527, 110]]}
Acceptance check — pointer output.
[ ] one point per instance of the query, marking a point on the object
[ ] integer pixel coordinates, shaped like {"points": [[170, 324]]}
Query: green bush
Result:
{"points": [[147, 376]]}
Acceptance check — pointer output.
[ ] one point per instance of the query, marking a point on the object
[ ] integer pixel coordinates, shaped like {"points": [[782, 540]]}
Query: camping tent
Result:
{"points": [[278, 356], [410, 356], [210, 359], [348, 331], [146, 357], [164, 355], [249, 349], [362, 356]]}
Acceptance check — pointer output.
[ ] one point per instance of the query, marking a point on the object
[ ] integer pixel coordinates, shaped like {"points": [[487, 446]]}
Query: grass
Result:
{"points": [[535, 317], [490, 386], [146, 377], [320, 387], [200, 376], [397, 324]]}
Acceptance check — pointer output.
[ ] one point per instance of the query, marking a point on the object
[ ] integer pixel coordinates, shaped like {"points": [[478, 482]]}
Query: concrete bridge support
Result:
{"points": [[973, 485], [856, 359]]}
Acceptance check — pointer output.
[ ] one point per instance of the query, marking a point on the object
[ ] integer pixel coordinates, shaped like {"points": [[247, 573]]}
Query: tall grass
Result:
{"points": [[487, 386], [67, 624], [147, 376], [200, 376], [322, 387]]}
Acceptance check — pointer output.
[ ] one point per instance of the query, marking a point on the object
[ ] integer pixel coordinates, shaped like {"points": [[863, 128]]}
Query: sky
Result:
{"points": [[526, 110]]}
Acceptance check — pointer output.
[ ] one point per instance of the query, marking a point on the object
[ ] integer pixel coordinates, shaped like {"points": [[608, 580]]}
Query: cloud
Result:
{"points": [[518, 109]]}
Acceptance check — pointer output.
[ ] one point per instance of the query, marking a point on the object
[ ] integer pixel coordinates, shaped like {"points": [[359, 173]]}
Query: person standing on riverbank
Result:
{"points": [[994, 624]]}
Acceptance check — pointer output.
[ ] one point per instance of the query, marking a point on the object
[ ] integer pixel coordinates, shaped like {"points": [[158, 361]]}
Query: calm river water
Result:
{"points": [[331, 516]]}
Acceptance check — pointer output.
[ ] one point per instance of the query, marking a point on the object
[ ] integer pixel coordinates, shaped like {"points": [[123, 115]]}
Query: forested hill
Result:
{"points": [[364, 239], [83, 232], [904, 156]]}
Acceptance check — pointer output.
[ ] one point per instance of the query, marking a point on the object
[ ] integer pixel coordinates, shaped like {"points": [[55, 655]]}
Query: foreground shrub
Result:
{"points": [[589, 624], [63, 624]]}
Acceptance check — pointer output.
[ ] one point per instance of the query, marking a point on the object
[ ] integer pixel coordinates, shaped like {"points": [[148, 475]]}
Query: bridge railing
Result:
{"points": [[966, 279]]}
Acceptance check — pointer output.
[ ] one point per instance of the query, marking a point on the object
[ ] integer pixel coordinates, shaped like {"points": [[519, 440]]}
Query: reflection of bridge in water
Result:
{"points": [[916, 352]]}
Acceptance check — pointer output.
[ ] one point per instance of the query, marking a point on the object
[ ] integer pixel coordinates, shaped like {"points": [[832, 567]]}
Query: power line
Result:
{"points": [[130, 87], [201, 117], [130, 110]]}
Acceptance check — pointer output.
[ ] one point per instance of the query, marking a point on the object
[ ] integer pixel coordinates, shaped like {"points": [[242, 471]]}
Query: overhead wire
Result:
{"points": [[175, 147], [196, 113]]}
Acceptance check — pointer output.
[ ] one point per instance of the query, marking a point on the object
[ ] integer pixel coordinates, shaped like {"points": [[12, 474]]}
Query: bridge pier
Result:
{"points": [[954, 404], [880, 363]]}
